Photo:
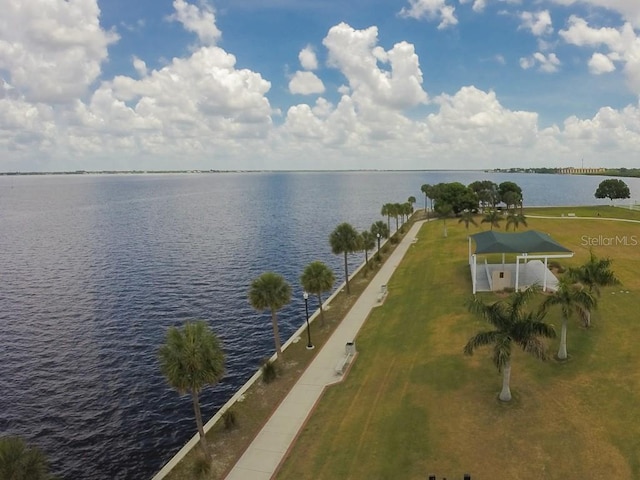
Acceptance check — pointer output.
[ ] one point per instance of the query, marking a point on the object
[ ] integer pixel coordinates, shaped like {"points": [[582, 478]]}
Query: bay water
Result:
{"points": [[95, 268]]}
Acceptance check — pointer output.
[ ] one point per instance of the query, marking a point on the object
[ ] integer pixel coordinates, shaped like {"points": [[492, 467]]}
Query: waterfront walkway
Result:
{"points": [[261, 459]]}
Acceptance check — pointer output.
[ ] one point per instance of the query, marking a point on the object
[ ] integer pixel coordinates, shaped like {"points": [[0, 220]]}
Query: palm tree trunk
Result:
{"points": [[505, 394], [198, 413], [587, 318], [562, 352], [346, 273], [321, 310], [276, 333]]}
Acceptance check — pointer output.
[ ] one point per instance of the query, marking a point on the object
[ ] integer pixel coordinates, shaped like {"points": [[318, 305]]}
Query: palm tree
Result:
{"points": [[594, 274], [386, 211], [511, 326], [368, 243], [407, 210], [270, 291], [396, 211], [345, 239], [411, 201], [20, 462], [515, 219], [571, 298], [316, 279], [426, 189], [493, 218], [191, 359], [444, 210], [379, 230], [467, 218]]}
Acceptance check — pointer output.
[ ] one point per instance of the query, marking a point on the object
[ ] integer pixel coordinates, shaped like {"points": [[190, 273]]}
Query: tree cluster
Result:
{"points": [[478, 196]]}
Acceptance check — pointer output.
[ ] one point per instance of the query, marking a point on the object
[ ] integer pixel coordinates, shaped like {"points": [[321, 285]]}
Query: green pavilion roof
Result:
{"points": [[530, 241]]}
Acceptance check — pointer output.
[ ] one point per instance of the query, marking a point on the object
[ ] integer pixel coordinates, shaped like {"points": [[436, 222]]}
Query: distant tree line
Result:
{"points": [[477, 197]]}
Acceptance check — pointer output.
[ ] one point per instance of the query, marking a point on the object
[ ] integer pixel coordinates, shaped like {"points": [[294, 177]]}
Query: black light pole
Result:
{"points": [[306, 311], [378, 235]]}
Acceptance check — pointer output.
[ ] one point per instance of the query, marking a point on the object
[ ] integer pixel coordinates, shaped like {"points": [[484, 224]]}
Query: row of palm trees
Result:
{"points": [[400, 211], [192, 357], [577, 294]]}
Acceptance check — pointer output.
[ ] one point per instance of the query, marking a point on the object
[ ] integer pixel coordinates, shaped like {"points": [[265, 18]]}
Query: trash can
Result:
{"points": [[350, 348]]}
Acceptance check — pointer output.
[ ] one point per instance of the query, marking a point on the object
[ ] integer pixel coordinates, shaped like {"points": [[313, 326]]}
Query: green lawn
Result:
{"points": [[412, 404]]}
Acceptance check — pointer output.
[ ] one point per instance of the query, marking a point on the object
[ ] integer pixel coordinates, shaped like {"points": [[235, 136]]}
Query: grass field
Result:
{"points": [[412, 404]]}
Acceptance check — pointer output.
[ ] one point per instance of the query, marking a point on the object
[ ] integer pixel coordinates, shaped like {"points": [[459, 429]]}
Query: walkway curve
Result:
{"points": [[270, 446]]}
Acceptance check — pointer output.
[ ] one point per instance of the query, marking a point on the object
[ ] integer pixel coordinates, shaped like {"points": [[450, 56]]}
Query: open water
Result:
{"points": [[95, 268]]}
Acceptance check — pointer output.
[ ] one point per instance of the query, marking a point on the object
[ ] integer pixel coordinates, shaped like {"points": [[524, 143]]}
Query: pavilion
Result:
{"points": [[530, 247]]}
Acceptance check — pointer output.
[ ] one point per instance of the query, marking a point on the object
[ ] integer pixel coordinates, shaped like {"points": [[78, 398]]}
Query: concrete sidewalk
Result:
{"points": [[268, 449]]}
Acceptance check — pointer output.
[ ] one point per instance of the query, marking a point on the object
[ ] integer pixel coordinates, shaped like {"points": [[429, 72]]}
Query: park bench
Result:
{"points": [[349, 353], [383, 293]]}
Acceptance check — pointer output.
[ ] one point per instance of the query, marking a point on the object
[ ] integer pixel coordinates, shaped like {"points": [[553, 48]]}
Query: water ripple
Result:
{"points": [[94, 269]]}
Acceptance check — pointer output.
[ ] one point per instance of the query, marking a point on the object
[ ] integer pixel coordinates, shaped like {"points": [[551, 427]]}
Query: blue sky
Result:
{"points": [[309, 84]]}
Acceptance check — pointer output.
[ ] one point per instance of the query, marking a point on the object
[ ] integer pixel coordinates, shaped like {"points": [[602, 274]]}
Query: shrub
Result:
{"points": [[269, 371], [230, 419], [201, 467]]}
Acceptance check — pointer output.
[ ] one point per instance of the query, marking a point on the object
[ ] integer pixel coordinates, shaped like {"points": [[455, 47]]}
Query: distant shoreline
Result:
{"points": [[195, 171], [610, 172]]}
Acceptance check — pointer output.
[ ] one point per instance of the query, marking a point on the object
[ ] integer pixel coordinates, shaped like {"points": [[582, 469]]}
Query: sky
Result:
{"points": [[318, 84]]}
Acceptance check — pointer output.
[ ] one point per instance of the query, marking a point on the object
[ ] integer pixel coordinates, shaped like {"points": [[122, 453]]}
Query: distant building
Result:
{"points": [[579, 171]]}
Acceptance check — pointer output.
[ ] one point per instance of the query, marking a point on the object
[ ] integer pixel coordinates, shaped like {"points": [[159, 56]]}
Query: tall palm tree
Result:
{"points": [[493, 218], [425, 189], [466, 217], [368, 243], [594, 274], [511, 326], [411, 201], [345, 239], [379, 230], [515, 219], [444, 211], [316, 279], [571, 298], [21, 462], [396, 211], [190, 359], [386, 211], [270, 291]]}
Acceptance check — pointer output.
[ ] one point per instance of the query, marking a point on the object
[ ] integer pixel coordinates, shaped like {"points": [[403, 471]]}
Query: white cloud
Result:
{"points": [[140, 66], [308, 59], [199, 20], [600, 63], [539, 23], [305, 83], [52, 51], [480, 119], [356, 54], [623, 45], [629, 9], [546, 63], [431, 9]]}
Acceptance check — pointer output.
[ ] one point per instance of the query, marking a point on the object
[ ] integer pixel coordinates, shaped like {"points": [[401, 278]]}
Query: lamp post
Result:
{"points": [[378, 235], [306, 311]]}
